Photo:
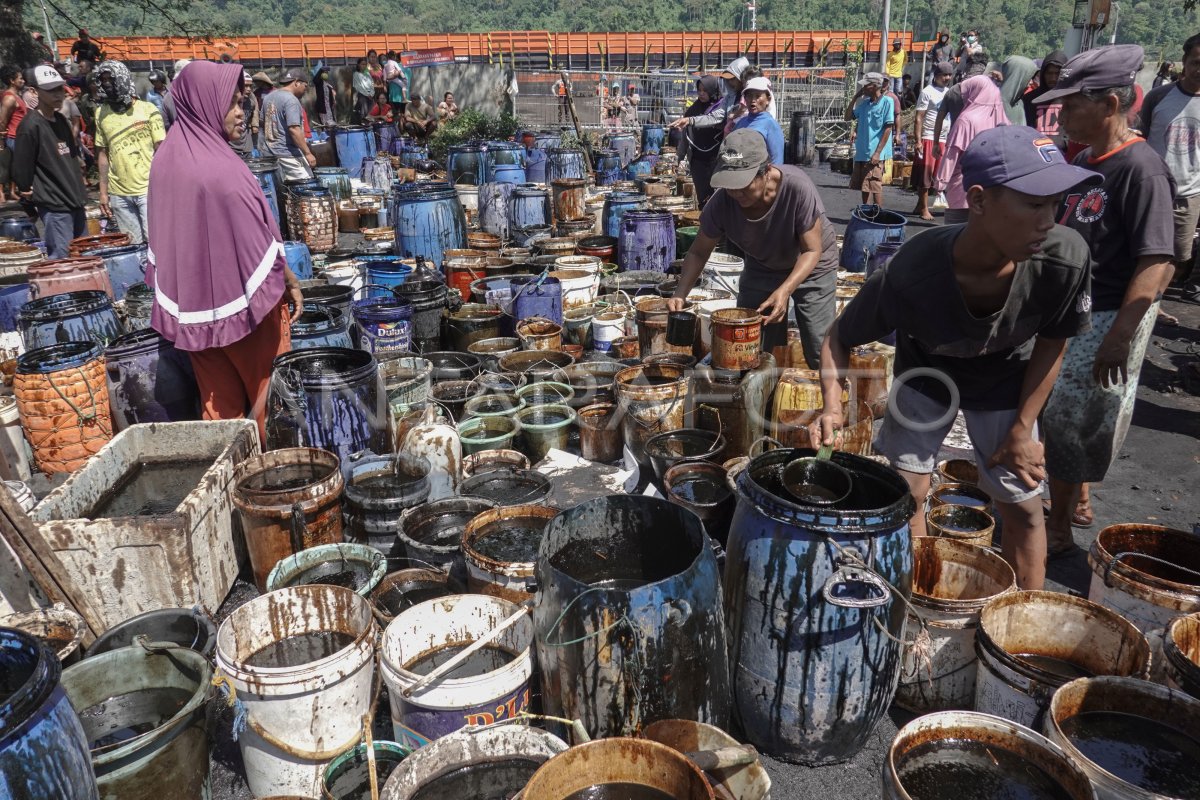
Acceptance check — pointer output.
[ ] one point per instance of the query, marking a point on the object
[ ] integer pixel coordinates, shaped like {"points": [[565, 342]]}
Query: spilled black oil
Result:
{"points": [[620, 791], [151, 487], [486, 780], [957, 769], [1147, 753], [1061, 669], [346, 574], [353, 780], [303, 648], [511, 544], [122, 717], [813, 493], [383, 485], [488, 658], [701, 490]]}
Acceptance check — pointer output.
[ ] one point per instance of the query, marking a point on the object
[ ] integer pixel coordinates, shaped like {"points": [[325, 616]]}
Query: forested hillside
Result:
{"points": [[1031, 27]]}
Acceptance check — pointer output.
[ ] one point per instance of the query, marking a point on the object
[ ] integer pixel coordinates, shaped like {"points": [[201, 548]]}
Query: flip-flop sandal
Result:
{"points": [[1083, 516]]}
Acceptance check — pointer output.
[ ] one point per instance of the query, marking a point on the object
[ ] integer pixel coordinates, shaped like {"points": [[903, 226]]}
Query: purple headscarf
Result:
{"points": [[216, 260]]}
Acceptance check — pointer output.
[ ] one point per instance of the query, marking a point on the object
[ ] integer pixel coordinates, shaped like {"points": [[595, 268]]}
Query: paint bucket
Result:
{"points": [[723, 271], [489, 460], [669, 448], [1181, 652], [382, 324], [406, 379], [508, 487], [702, 488], [652, 316], [493, 404], [1031, 643], [790, 582], [491, 687], [639, 767], [163, 692], [403, 589], [599, 433], [126, 266], [577, 325], [538, 333], [1133, 739], [565, 162], [378, 489], [500, 547], [742, 782], [490, 351], [348, 777], [452, 396], [188, 627], [428, 220], [529, 206], [868, 227], [567, 198], [579, 287], [652, 399], [486, 433], [1149, 575], [288, 500], [305, 652], [319, 325], [331, 294], [736, 338], [952, 582], [432, 533], [960, 494], [530, 235], [986, 757], [327, 397], [384, 275], [545, 393], [496, 761], [357, 567], [958, 470], [42, 743], [428, 299], [961, 523], [607, 326], [536, 365], [615, 574], [58, 627], [472, 323], [544, 428]]}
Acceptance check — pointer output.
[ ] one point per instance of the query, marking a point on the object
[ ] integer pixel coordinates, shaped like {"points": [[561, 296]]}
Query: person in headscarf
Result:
{"points": [[1044, 116], [222, 287], [326, 102], [722, 111], [983, 109], [700, 144], [128, 132], [1018, 71]]}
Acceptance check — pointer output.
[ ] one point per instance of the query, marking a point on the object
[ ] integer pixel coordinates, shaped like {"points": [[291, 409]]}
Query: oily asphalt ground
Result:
{"points": [[1152, 481]]}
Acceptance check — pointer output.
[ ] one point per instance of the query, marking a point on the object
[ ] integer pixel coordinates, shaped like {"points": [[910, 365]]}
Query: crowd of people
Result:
{"points": [[1071, 206]]}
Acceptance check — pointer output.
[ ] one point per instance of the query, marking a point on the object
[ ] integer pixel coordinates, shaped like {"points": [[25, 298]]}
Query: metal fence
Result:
{"points": [[664, 95]]}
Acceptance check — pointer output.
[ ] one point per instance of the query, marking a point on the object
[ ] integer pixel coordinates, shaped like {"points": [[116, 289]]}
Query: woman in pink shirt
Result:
{"points": [[983, 109]]}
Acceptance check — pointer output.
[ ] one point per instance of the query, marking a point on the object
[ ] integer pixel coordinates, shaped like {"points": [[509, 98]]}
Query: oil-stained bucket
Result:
{"points": [[480, 434], [403, 589], [348, 776], [653, 399], [1031, 643], [59, 627], [965, 524], [488, 460], [189, 627], [986, 757], [544, 428], [432, 533], [500, 547], [288, 500], [1181, 651], [357, 567], [599, 432], [654, 768], [736, 338], [742, 782], [378, 488], [157, 692], [301, 653], [952, 582], [491, 686]]}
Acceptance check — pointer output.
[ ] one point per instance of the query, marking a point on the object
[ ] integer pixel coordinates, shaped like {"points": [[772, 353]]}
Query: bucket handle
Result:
{"points": [[298, 528], [1112, 564], [848, 576]]}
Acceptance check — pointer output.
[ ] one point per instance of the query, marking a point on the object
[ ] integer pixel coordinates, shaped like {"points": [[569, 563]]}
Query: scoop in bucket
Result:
{"points": [[816, 482]]}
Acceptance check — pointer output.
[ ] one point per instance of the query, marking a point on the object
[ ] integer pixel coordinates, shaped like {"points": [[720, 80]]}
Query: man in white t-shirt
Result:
{"points": [[923, 130]]}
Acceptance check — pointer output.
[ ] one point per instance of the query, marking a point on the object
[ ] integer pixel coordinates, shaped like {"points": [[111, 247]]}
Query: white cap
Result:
{"points": [[46, 77], [760, 84]]}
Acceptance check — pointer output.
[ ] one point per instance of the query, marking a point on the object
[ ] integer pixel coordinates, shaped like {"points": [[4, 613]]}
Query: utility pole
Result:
{"points": [[752, 7], [887, 21]]}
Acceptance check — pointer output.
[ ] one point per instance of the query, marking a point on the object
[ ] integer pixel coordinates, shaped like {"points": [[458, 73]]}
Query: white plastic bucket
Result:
{"points": [[14, 453], [606, 328], [579, 288], [347, 274], [705, 311], [449, 704], [588, 264], [298, 717], [468, 196], [1051, 627], [722, 271], [952, 582]]}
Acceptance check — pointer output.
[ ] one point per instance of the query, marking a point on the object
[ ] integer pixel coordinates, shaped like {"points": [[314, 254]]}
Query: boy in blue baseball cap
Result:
{"points": [[982, 313]]}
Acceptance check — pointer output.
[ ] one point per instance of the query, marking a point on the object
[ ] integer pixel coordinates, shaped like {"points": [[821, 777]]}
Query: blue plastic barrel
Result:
{"points": [[565, 162], [11, 299], [299, 259], [869, 225], [466, 164], [508, 153], [494, 199], [385, 134], [43, 749], [18, 227], [70, 317], [125, 265], [150, 381], [428, 221], [413, 154], [528, 206], [535, 296], [814, 631], [507, 173], [336, 180], [353, 143], [544, 140], [626, 146], [263, 170], [653, 138], [615, 206], [321, 325], [608, 167], [382, 324], [641, 168], [646, 242], [384, 275]]}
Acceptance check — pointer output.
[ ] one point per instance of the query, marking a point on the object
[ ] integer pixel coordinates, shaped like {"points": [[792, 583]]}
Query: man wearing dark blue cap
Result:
{"points": [[1128, 224], [982, 314]]}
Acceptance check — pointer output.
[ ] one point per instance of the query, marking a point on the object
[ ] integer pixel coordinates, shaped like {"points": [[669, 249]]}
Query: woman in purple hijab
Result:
{"points": [[222, 288]]}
